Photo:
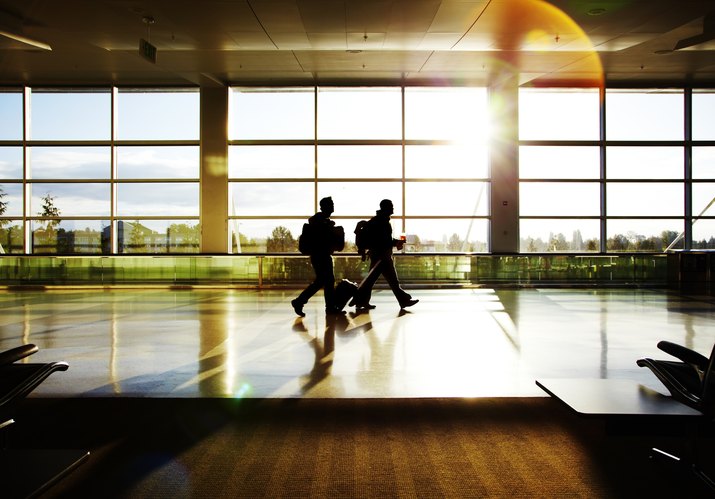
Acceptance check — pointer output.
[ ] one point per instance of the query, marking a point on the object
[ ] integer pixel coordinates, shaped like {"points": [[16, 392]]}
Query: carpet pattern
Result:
{"points": [[406, 448]]}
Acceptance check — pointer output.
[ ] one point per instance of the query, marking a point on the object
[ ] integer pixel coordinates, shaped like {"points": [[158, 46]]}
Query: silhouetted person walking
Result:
{"points": [[323, 241], [380, 244]]}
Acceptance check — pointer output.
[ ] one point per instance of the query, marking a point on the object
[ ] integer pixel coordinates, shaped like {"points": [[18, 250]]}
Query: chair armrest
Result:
{"points": [[684, 354], [14, 354]]}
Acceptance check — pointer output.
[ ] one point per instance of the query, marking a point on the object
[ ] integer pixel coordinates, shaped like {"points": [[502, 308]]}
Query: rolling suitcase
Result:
{"points": [[345, 290]]}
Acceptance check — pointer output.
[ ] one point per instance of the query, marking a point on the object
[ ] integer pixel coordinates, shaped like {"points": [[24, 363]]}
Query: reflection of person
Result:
{"points": [[380, 246], [320, 257]]}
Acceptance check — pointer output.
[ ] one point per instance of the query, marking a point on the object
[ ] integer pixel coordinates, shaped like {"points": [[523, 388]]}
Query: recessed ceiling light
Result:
{"points": [[596, 12]]}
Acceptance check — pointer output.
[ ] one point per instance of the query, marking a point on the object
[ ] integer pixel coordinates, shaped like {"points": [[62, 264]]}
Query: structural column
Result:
{"points": [[504, 163], [214, 169]]}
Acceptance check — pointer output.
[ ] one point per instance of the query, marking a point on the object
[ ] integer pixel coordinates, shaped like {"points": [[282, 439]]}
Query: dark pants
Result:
{"points": [[324, 278], [386, 268]]}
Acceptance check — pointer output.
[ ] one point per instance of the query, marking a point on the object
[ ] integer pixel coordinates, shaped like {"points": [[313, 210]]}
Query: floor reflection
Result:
{"points": [[247, 343]]}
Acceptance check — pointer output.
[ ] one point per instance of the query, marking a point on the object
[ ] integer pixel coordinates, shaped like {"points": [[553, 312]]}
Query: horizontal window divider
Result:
{"points": [[108, 181], [192, 142], [156, 180], [560, 180], [70, 218], [643, 181], [107, 143], [267, 142], [272, 179], [155, 217], [594, 143], [348, 142], [645, 143], [559, 217], [475, 179], [11, 143], [644, 217]]}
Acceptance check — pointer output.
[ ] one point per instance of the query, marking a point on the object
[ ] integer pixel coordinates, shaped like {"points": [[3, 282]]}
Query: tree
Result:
{"points": [[3, 206], [454, 243], [281, 241], [136, 236], [50, 213]]}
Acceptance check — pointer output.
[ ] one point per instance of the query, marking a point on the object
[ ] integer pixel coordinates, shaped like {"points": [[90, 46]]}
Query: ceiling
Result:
{"points": [[289, 42]]}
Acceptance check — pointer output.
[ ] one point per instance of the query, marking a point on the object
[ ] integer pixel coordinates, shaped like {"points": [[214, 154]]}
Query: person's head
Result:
{"points": [[326, 205], [386, 207]]}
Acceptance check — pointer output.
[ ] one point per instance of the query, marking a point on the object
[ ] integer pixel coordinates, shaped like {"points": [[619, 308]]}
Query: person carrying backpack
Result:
{"points": [[319, 240], [377, 235]]}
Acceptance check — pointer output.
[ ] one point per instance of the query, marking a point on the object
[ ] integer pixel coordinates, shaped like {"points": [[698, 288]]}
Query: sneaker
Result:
{"points": [[298, 307], [408, 303]]}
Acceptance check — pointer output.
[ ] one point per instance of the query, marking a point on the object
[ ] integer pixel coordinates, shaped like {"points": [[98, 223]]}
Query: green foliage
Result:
{"points": [[281, 241]]}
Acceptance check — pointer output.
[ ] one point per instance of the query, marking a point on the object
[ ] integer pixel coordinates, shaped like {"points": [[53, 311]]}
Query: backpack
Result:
{"points": [[306, 240], [362, 237]]}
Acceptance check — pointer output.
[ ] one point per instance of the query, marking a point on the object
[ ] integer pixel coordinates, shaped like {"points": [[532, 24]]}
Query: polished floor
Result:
{"points": [[248, 343]]}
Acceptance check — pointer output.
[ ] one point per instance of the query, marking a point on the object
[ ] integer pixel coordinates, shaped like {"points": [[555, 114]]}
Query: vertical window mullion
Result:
{"points": [[688, 170]]}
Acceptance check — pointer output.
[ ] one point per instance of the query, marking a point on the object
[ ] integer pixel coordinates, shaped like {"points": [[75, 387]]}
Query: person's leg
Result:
{"points": [[326, 277], [388, 270], [362, 297], [308, 292]]}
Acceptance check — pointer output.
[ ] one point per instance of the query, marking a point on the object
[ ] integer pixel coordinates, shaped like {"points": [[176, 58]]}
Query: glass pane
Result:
{"points": [[447, 198], [704, 199], [704, 234], [361, 199], [458, 114], [260, 236], [70, 237], [158, 199], [279, 113], [704, 162], [558, 114], [11, 236], [546, 235], [271, 162], [70, 115], [70, 200], [644, 115], [10, 162], [11, 200], [445, 235], [70, 162], [645, 162], [158, 236], [545, 162], [10, 116], [446, 161], [644, 199], [359, 113], [642, 235], [271, 199], [157, 115], [559, 199], [703, 112], [140, 162], [359, 162]]}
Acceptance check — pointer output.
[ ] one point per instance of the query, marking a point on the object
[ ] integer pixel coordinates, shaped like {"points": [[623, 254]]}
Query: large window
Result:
{"points": [[559, 170], [619, 189], [424, 148], [83, 173], [117, 170]]}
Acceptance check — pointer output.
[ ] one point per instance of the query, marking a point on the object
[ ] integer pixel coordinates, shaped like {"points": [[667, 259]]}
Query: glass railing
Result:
{"points": [[281, 270]]}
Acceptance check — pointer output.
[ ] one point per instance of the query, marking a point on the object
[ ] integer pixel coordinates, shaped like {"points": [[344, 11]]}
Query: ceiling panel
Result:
{"points": [[284, 41]]}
